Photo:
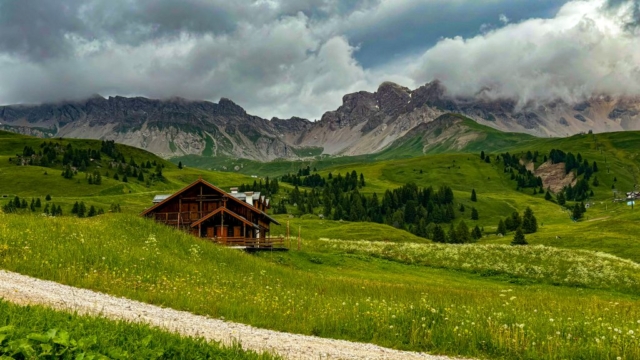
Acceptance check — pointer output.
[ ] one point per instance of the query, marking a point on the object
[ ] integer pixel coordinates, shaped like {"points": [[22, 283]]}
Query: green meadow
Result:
{"points": [[34, 332], [571, 293], [359, 295]]}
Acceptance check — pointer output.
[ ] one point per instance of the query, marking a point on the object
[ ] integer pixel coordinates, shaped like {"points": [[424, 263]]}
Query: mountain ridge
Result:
{"points": [[365, 123]]}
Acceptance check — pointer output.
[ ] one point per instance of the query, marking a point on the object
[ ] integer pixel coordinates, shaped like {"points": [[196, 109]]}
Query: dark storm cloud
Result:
{"points": [[38, 29], [133, 22], [43, 29]]}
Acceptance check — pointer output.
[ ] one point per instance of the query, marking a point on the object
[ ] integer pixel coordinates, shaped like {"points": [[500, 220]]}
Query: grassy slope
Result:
{"points": [[134, 196], [485, 138], [330, 293], [99, 336]]}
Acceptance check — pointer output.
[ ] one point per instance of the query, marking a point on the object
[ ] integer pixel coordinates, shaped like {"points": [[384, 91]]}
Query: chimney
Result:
{"points": [[234, 190], [249, 199]]}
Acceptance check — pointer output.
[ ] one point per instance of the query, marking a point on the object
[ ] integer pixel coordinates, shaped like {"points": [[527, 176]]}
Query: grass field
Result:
{"points": [[331, 294], [34, 332]]}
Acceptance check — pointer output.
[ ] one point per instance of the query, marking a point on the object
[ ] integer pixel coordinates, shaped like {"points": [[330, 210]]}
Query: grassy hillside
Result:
{"points": [[451, 133], [133, 196], [34, 332], [338, 293]]}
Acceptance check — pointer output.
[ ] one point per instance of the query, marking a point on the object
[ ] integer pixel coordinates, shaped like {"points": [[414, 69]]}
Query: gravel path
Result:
{"points": [[25, 290]]}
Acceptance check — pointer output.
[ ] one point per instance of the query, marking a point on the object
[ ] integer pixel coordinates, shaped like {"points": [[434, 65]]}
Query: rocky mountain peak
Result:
{"points": [[228, 107], [393, 98]]}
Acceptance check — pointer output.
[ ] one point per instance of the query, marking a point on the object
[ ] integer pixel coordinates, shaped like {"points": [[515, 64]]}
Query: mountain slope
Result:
{"points": [[365, 123], [451, 133]]}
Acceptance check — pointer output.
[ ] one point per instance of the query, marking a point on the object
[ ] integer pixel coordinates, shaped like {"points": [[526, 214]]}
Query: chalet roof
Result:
{"points": [[225, 210], [211, 186], [243, 196], [160, 198]]}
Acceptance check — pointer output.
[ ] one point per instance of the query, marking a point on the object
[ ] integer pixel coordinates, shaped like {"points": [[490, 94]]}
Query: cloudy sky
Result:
{"points": [[299, 57]]}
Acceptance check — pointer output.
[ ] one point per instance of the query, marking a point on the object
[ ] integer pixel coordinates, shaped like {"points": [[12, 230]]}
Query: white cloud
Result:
{"points": [[583, 51]]}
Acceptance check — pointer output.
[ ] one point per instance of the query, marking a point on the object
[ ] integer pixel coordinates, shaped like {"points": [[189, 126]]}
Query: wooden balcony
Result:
{"points": [[257, 243]]}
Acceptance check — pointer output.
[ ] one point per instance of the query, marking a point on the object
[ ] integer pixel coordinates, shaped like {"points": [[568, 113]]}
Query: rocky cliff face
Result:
{"points": [[365, 123]]}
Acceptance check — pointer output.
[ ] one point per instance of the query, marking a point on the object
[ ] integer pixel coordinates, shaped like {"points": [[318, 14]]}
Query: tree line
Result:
{"points": [[268, 188], [18, 204]]}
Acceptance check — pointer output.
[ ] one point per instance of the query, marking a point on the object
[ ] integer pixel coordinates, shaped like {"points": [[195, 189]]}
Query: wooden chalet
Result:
{"points": [[206, 211]]}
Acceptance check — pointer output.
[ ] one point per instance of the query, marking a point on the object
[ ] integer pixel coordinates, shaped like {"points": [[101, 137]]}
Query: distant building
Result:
{"points": [[633, 195], [206, 211]]}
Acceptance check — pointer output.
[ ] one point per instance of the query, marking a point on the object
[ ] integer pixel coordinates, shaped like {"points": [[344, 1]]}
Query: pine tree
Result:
{"points": [[180, 165], [438, 234], [461, 208], [576, 214], [92, 211], [75, 208], [476, 233], [140, 176], [482, 155], [46, 209], [473, 195], [502, 228], [548, 196], [474, 214], [82, 210], [116, 177], [48, 198], [514, 221], [518, 238], [595, 182], [529, 222], [124, 179], [452, 235], [561, 199], [38, 203], [462, 233]]}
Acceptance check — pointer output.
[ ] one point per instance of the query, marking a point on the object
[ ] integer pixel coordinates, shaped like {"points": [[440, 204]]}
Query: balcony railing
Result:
{"points": [[268, 242]]}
